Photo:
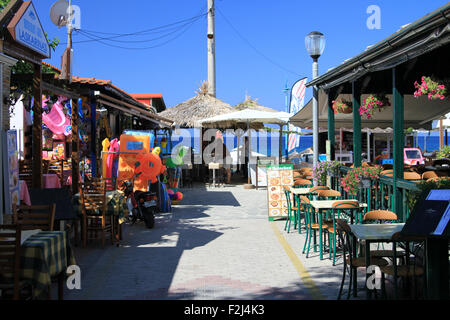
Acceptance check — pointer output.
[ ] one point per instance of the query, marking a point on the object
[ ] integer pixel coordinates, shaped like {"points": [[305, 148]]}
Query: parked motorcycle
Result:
{"points": [[142, 205]]}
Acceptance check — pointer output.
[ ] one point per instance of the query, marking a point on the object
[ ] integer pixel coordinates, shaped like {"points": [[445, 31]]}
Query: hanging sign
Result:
{"points": [[26, 29]]}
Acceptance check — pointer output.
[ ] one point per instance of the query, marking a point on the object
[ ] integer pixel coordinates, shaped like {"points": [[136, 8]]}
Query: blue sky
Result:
{"points": [[268, 50]]}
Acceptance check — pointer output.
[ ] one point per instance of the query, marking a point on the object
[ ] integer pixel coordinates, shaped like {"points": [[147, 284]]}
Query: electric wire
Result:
{"points": [[253, 47], [137, 48], [167, 34]]}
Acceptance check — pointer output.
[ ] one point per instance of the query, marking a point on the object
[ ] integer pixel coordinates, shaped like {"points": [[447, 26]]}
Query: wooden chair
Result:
{"points": [[35, 217], [26, 172], [429, 175], [352, 263], [57, 167], [93, 210], [10, 248], [111, 184]]}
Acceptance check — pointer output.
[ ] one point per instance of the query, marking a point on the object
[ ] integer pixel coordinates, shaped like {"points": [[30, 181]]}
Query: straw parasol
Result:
{"points": [[252, 104], [202, 106]]}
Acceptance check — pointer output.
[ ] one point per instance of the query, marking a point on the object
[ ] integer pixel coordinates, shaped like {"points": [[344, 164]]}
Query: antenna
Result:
{"points": [[59, 13], [62, 14]]}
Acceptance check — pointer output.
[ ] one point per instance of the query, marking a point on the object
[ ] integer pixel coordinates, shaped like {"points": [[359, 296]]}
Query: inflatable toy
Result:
{"points": [[149, 166], [179, 196], [170, 192], [163, 142], [114, 147], [156, 151], [56, 120]]}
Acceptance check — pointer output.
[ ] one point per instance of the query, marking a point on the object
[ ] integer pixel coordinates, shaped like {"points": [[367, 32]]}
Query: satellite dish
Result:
{"points": [[59, 13]]}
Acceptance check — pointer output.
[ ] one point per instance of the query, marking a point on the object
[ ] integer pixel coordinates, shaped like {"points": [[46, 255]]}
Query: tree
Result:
{"points": [[3, 4]]}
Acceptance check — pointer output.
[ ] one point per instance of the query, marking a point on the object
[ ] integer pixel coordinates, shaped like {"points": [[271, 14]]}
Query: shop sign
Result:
{"points": [[26, 29]]}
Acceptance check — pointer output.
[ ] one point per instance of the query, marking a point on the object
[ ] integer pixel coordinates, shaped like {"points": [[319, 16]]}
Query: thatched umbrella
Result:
{"points": [[202, 106], [252, 104]]}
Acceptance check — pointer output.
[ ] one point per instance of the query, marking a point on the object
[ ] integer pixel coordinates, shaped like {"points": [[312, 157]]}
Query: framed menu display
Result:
{"points": [[10, 171], [278, 177]]}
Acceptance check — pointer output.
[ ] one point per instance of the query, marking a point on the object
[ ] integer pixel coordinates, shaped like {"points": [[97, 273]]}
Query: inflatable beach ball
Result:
{"points": [[179, 196]]}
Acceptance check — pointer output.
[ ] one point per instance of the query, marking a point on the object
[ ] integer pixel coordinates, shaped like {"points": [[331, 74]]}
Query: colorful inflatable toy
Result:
{"points": [[56, 120], [149, 166]]}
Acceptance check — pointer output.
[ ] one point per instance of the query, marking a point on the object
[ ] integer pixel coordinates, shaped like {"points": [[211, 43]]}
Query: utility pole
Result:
{"points": [[211, 50], [66, 60]]}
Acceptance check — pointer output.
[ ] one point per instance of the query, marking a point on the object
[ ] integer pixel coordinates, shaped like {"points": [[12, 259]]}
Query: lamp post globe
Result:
{"points": [[315, 45]]}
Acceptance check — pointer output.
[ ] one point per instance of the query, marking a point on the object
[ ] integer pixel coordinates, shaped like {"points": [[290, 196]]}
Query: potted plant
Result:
{"points": [[320, 173], [432, 88], [333, 168], [372, 103], [424, 188], [342, 106], [352, 180]]}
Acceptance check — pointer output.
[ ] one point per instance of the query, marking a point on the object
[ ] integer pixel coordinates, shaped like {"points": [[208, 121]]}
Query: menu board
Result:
{"points": [[278, 177], [11, 171]]}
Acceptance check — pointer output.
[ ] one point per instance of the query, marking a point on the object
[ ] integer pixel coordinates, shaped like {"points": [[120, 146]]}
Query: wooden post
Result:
{"points": [[441, 134], [93, 106], [331, 128], [398, 139], [75, 146], [37, 127], [357, 149]]}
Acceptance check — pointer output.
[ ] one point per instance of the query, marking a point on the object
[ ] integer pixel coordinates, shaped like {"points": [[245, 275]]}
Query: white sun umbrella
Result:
{"points": [[248, 116]]}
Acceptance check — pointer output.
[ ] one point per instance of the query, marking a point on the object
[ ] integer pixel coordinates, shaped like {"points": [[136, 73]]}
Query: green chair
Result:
{"points": [[315, 190], [293, 211], [351, 262], [340, 211], [310, 225]]}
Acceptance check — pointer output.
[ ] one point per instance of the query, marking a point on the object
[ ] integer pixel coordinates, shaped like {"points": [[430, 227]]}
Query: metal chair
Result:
{"points": [[293, 211], [351, 262]]}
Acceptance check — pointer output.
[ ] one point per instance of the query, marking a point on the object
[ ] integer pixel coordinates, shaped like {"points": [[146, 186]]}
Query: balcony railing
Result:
{"points": [[380, 196]]}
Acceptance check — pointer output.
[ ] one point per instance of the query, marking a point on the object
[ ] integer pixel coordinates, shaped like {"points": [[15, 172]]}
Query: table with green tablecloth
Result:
{"points": [[44, 256]]}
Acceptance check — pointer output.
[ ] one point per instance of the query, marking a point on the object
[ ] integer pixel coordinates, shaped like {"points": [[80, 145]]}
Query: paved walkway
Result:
{"points": [[218, 244]]}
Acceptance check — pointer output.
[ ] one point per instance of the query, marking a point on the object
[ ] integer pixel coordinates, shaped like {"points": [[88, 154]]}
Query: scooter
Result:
{"points": [[142, 205]]}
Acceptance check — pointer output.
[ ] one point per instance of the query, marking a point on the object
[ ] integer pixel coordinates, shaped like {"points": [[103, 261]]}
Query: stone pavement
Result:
{"points": [[218, 244]]}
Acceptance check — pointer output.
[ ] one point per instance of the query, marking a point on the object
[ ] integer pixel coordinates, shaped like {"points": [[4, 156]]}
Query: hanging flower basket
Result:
{"points": [[365, 183], [431, 88], [353, 181], [342, 106], [373, 103]]}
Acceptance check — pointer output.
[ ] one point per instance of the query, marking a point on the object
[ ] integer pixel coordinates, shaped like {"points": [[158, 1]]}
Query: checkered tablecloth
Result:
{"points": [[43, 256], [117, 205]]}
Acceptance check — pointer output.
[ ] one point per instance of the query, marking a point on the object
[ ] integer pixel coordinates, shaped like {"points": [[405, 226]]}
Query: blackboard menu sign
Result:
{"points": [[431, 216]]}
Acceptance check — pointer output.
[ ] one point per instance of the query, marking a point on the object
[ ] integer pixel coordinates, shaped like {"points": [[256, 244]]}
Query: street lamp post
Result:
{"points": [[315, 44]]}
